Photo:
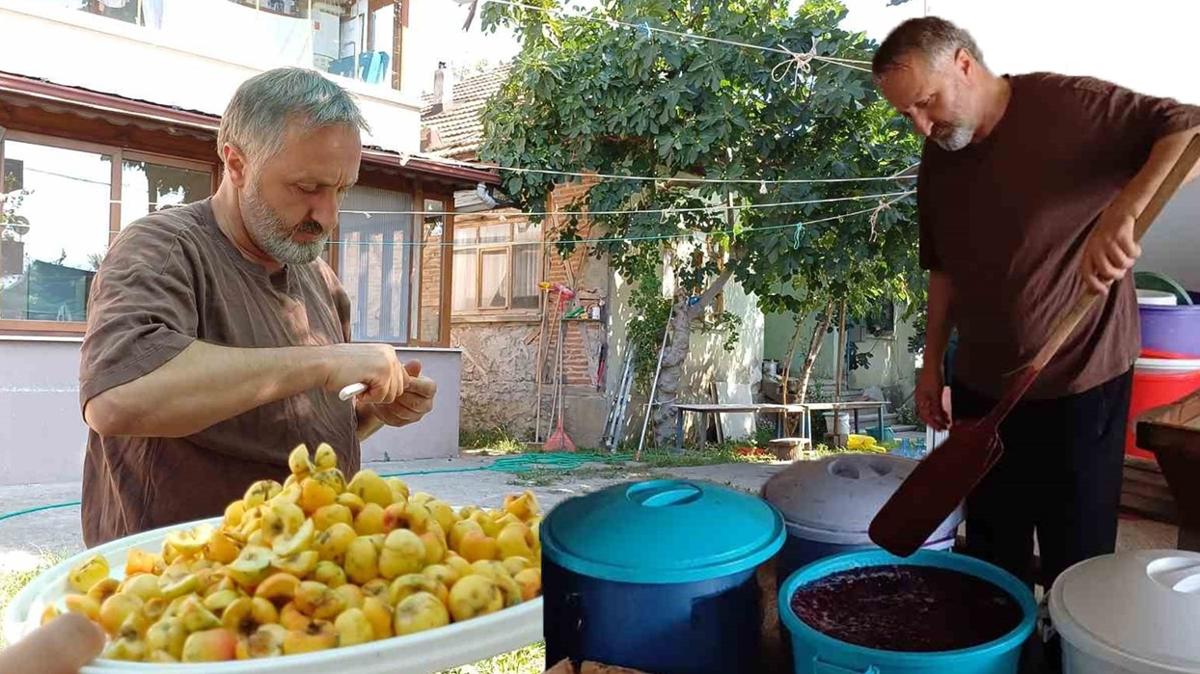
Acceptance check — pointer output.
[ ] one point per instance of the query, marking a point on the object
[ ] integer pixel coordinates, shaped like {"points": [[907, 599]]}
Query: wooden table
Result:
{"points": [[1172, 432], [854, 406], [705, 409]]}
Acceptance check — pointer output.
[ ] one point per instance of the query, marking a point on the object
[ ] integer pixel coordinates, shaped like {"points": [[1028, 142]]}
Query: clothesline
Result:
{"points": [[674, 179], [797, 226], [629, 211], [644, 211]]}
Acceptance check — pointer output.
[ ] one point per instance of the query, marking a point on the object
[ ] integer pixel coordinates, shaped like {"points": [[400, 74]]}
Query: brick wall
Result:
{"points": [[431, 288], [583, 338]]}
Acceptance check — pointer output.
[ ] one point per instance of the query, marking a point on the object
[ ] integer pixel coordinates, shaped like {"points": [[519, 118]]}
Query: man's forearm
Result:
{"points": [[203, 385], [1166, 151], [937, 322]]}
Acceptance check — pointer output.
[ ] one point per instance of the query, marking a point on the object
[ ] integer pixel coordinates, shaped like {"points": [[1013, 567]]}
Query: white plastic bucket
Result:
{"points": [[1133, 612], [1156, 297], [421, 653]]}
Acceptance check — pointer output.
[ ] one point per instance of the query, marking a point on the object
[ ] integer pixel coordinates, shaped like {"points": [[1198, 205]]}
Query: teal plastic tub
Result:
{"points": [[816, 653]]}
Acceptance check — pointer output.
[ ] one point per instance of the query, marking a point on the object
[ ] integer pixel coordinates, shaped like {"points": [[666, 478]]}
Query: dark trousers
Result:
{"points": [[1060, 476]]}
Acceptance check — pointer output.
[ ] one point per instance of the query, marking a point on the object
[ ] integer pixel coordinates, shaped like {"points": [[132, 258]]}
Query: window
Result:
{"points": [[147, 187], [375, 262], [129, 11], [63, 206], [497, 266], [55, 230]]}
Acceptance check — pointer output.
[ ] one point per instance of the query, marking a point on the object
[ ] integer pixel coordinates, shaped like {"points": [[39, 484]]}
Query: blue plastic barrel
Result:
{"points": [[658, 576], [816, 653]]}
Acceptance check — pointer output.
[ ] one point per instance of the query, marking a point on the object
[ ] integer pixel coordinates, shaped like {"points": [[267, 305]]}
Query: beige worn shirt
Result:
{"points": [[169, 279]]}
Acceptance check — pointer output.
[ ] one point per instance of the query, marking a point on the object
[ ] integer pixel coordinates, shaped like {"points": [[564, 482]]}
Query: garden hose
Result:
{"points": [[517, 464]]}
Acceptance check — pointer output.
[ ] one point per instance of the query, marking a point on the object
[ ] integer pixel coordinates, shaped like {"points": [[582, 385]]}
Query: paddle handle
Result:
{"points": [[1166, 190]]}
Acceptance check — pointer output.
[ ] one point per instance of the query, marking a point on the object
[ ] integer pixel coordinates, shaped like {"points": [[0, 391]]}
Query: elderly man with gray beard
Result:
{"points": [[218, 339], [1026, 199]]}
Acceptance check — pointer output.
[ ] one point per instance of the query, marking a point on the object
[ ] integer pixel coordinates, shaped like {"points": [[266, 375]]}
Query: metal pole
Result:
{"points": [[539, 370], [654, 385]]}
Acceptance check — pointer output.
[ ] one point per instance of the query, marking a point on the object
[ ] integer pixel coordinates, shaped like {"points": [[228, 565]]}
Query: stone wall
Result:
{"points": [[500, 352], [498, 385]]}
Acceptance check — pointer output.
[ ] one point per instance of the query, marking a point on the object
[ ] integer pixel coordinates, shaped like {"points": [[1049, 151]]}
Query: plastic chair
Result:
{"points": [[373, 66], [343, 66]]}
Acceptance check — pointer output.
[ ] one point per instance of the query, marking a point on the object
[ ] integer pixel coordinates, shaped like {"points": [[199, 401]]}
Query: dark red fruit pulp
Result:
{"points": [[907, 608]]}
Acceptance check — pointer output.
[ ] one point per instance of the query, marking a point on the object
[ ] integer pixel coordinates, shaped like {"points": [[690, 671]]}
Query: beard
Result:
{"points": [[274, 235], [952, 137]]}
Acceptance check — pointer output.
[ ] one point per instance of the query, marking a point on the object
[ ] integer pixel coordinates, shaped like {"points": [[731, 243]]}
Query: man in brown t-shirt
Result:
{"points": [[1026, 199], [218, 339]]}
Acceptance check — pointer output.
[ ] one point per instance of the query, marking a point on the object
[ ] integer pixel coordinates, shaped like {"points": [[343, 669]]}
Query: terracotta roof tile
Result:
{"points": [[459, 130]]}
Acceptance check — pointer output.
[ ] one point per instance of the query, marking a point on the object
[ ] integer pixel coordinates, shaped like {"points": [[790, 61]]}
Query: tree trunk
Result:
{"points": [[814, 348], [787, 366], [670, 377]]}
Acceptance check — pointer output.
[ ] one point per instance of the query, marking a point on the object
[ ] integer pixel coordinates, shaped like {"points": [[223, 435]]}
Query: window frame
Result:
{"points": [[507, 312], [420, 192], [117, 157]]}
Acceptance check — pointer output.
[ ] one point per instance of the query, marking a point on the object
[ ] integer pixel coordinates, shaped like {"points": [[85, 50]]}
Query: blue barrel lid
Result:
{"points": [[662, 531]]}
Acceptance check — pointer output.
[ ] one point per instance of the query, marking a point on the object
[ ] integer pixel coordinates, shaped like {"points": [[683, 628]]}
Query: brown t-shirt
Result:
{"points": [[1006, 219], [169, 279]]}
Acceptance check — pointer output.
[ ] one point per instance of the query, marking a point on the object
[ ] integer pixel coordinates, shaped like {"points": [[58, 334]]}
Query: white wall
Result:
{"points": [[199, 72], [891, 362], [1172, 246], [42, 434], [436, 435], [1148, 46], [737, 373]]}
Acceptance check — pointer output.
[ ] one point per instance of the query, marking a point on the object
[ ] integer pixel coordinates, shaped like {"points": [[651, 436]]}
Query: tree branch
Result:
{"points": [[711, 292]]}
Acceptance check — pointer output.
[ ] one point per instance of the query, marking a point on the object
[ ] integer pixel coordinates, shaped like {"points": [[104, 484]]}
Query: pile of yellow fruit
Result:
{"points": [[311, 564]]}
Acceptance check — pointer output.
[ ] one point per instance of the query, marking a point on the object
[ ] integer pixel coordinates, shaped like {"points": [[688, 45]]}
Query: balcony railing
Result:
{"points": [[347, 38]]}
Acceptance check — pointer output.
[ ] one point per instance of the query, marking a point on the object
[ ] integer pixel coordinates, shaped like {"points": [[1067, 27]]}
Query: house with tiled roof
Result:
{"points": [[505, 319], [451, 124]]}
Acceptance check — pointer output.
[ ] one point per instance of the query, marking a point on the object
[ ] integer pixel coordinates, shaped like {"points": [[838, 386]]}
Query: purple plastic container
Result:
{"points": [[1171, 331]]}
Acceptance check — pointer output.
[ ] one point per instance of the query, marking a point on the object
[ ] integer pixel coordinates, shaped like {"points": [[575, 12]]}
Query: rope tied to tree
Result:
{"points": [[801, 60], [883, 206]]}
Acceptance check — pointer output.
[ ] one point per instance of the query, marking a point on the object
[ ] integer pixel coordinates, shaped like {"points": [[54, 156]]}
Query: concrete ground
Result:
{"points": [[23, 539]]}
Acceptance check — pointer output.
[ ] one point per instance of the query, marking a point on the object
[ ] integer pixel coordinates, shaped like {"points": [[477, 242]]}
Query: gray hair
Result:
{"points": [[929, 36], [262, 109]]}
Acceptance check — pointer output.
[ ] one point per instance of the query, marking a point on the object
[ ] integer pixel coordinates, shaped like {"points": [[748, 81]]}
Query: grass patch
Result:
{"points": [[547, 477], [528, 660], [495, 440], [11, 582], [710, 455]]}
